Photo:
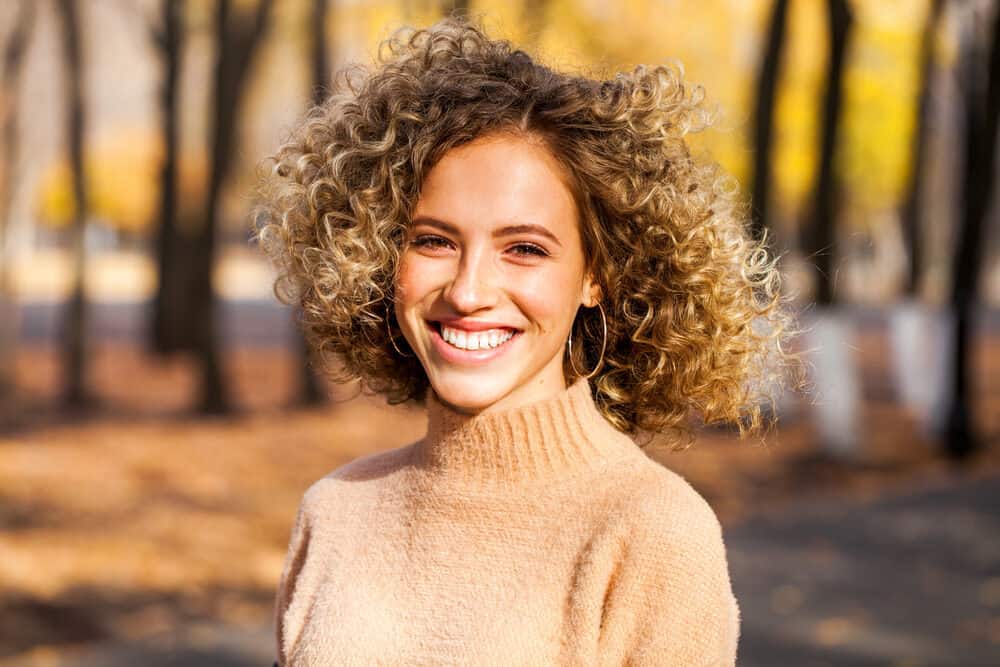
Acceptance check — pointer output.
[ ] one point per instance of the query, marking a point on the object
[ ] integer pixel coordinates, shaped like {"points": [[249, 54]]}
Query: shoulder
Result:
{"points": [[671, 601], [679, 571], [670, 516], [362, 475], [661, 494]]}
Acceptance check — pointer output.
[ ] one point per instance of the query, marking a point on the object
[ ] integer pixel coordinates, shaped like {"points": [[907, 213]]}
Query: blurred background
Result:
{"points": [[159, 422]]}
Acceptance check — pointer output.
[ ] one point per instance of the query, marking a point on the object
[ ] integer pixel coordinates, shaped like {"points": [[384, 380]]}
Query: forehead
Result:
{"points": [[498, 180]]}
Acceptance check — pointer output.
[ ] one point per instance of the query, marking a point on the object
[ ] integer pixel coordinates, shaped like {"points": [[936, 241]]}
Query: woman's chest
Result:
{"points": [[487, 592], [456, 612]]}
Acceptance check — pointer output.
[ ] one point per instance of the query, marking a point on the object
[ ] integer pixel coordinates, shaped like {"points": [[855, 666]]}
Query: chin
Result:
{"points": [[471, 394]]}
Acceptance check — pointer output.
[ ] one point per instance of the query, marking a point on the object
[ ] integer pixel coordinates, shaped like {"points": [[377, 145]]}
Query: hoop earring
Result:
{"points": [[392, 340], [604, 344]]}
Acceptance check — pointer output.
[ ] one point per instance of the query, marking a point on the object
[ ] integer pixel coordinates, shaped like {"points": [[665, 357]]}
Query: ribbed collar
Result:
{"points": [[559, 437]]}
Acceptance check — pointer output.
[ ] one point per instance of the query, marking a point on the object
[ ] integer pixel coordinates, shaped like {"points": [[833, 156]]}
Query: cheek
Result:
{"points": [[551, 298], [419, 276], [409, 281]]}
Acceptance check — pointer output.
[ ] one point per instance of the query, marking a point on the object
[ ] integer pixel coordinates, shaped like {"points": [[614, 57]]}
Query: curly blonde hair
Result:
{"points": [[695, 320]]}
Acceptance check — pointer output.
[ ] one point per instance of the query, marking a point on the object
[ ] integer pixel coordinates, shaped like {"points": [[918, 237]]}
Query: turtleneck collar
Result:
{"points": [[558, 437]]}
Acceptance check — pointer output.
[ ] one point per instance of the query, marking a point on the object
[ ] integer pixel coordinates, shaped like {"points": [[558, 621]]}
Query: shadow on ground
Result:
{"points": [[909, 579], [202, 645]]}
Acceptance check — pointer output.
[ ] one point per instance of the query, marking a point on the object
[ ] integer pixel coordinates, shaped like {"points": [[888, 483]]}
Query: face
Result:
{"points": [[492, 275]]}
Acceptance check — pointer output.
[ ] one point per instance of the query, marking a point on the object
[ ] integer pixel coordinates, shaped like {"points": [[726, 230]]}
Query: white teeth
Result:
{"points": [[476, 340]]}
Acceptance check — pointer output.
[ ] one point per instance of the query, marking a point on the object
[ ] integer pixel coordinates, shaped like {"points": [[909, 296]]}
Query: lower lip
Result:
{"points": [[455, 355]]}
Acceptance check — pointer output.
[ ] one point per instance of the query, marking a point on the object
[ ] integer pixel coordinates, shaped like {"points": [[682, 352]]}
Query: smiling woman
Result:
{"points": [[449, 222]]}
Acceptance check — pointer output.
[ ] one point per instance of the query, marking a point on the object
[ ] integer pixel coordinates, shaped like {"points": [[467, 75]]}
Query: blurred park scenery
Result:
{"points": [[159, 420]]}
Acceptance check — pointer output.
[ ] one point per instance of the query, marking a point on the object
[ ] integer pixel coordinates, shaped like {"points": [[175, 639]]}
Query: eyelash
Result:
{"points": [[432, 241]]}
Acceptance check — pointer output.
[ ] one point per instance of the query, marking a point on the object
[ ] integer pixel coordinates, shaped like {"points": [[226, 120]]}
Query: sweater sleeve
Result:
{"points": [[684, 612], [294, 559]]}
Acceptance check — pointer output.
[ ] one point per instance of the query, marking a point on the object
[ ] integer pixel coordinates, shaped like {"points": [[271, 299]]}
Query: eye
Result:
{"points": [[430, 241], [529, 249]]}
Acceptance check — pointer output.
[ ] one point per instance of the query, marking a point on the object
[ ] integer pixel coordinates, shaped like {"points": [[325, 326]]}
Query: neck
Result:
{"points": [[508, 403], [554, 438]]}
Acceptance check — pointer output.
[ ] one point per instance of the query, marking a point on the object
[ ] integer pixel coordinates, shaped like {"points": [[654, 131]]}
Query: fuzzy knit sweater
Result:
{"points": [[540, 535]]}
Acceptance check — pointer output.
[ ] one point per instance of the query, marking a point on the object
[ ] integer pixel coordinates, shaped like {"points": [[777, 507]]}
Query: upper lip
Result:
{"points": [[472, 325]]}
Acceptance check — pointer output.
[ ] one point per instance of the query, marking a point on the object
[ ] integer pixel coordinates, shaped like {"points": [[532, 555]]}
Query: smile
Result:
{"points": [[476, 340], [470, 347]]}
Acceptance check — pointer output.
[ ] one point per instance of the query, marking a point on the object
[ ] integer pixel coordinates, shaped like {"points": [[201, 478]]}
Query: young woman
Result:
{"points": [[539, 259]]}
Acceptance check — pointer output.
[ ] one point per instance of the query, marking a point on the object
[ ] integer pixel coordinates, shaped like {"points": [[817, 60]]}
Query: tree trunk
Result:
{"points": [[914, 328], [74, 326], [767, 88], [320, 50], [911, 206], [236, 44], [982, 104], [457, 7], [836, 376], [835, 406], [821, 230], [172, 291], [10, 86]]}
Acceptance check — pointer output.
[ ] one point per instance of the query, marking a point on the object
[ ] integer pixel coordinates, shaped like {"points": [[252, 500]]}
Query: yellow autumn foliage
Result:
{"points": [[122, 182], [719, 43]]}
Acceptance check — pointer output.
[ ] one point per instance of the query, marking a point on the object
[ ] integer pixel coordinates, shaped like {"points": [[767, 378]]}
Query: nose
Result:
{"points": [[473, 286]]}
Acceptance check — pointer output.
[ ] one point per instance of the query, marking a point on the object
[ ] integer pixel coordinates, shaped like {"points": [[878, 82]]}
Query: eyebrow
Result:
{"points": [[507, 230]]}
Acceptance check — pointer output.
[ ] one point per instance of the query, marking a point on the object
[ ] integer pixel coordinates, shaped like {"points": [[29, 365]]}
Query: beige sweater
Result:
{"points": [[536, 536]]}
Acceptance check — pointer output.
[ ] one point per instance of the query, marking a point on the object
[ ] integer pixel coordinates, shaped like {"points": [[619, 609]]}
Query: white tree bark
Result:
{"points": [[836, 388], [919, 338]]}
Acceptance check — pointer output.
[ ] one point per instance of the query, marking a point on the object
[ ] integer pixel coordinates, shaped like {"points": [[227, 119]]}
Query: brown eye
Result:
{"points": [[529, 249], [429, 241]]}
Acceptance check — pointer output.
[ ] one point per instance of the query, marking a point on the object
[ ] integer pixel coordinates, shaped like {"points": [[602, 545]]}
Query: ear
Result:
{"points": [[591, 292]]}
